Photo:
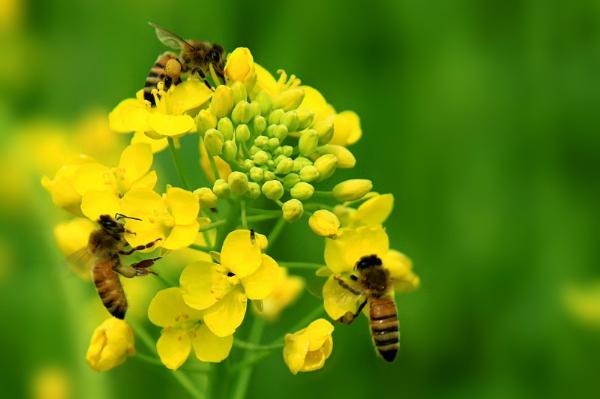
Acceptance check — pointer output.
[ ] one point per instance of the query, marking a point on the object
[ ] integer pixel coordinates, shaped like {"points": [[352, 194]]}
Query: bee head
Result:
{"points": [[215, 56], [367, 262], [109, 224]]}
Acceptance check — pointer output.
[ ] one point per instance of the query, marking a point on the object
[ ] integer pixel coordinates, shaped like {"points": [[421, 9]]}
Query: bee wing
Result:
{"points": [[81, 262], [169, 38]]}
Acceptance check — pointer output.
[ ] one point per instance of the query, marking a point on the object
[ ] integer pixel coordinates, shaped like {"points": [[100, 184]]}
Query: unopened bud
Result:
{"points": [[259, 124], [261, 141], [290, 180], [222, 101], [242, 112], [256, 174], [242, 133], [324, 129], [292, 210], [221, 188], [301, 162], [269, 175], [273, 143], [225, 126], [290, 120], [326, 165], [280, 131], [275, 116], [309, 140], [309, 173], [352, 189], [284, 166], [253, 190], [239, 92], [229, 150], [324, 223], [261, 157], [289, 99], [205, 120], [273, 190], [213, 140], [264, 100], [302, 191], [287, 150], [206, 197], [344, 156], [305, 118], [238, 183]]}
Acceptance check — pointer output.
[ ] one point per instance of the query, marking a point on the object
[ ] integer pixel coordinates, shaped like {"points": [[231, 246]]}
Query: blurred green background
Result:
{"points": [[481, 117]]}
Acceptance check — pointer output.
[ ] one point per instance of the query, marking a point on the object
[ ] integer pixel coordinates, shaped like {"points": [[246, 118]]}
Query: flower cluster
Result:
{"points": [[268, 148]]}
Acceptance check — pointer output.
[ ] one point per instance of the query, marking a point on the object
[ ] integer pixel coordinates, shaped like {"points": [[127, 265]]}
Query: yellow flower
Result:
{"points": [[52, 383], [223, 168], [182, 330], [71, 237], [373, 211], [157, 145], [284, 294], [240, 67], [583, 303], [171, 217], [168, 118], [307, 349], [222, 290], [112, 343], [400, 267], [63, 189]]}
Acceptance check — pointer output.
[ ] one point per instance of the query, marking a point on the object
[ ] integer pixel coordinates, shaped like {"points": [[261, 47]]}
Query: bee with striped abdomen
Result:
{"points": [[372, 282], [104, 250], [195, 56]]}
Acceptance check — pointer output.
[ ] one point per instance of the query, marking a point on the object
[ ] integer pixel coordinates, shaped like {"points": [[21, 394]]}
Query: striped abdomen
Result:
{"points": [[109, 288], [158, 74], [383, 317]]}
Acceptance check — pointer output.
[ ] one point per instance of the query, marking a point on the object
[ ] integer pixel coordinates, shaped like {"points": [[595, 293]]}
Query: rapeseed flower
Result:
{"points": [[307, 349], [111, 344]]}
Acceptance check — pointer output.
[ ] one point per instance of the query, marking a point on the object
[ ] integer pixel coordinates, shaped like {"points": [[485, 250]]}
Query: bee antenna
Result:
{"points": [[121, 216]]}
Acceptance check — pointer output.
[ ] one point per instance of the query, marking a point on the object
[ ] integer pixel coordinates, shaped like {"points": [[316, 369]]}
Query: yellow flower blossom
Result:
{"points": [[284, 294], [373, 211], [111, 344], [307, 349], [182, 330], [583, 303], [240, 67], [168, 118], [222, 290], [51, 383], [171, 217], [64, 191], [72, 236]]}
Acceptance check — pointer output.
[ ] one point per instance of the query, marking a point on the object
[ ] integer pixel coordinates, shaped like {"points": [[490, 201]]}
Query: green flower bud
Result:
{"points": [[279, 157], [309, 140], [205, 120], [290, 120], [270, 163], [284, 166], [289, 99], [239, 92], [324, 223], [247, 164], [344, 156], [222, 101], [290, 180], [261, 141], [253, 190], [264, 99], [309, 173], [287, 150], [259, 124], [206, 197], [326, 165], [230, 150], [261, 157], [273, 143], [324, 129], [255, 108], [257, 174], [352, 189], [221, 188], [275, 116], [301, 162], [242, 113], [280, 131], [292, 210], [273, 190], [305, 118], [213, 140], [242, 133], [277, 151], [302, 191], [268, 175], [253, 150], [225, 126], [238, 183]]}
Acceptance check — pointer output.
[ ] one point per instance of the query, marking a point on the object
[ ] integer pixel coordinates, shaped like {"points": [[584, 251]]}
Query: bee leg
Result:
{"points": [[349, 317], [140, 247], [203, 76], [141, 267], [347, 287]]}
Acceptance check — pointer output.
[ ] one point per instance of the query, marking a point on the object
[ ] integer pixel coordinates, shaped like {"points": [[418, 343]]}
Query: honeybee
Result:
{"points": [[104, 250], [194, 56], [372, 282]]}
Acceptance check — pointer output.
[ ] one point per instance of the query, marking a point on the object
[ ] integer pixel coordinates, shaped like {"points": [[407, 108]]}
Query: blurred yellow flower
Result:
{"points": [[222, 290], [307, 349], [72, 236], [583, 303], [51, 383], [111, 344], [285, 293], [182, 330], [63, 189], [171, 217]]}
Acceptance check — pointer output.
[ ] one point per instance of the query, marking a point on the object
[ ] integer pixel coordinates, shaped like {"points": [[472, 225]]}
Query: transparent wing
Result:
{"points": [[81, 262], [169, 38]]}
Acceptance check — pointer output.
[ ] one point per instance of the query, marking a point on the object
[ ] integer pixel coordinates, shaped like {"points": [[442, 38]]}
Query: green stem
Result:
{"points": [[277, 229], [304, 322], [183, 379], [260, 218], [212, 225], [148, 359], [323, 194], [243, 379], [177, 162], [317, 206], [249, 362], [254, 347], [166, 281], [244, 219], [301, 265], [265, 211], [202, 248]]}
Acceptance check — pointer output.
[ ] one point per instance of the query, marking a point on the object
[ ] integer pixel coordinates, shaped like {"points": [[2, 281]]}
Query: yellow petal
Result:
{"points": [[128, 116], [315, 102], [400, 267], [342, 253], [240, 66], [315, 360], [226, 315], [135, 161], [143, 203], [284, 294], [73, 235], [202, 285], [263, 281], [209, 347], [375, 210], [183, 204], [93, 176], [294, 352], [96, 203], [265, 81], [167, 309], [223, 168], [171, 125], [187, 95], [181, 236], [147, 181], [145, 232], [157, 145], [346, 128], [337, 300], [318, 331], [240, 253], [111, 344], [173, 347]]}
